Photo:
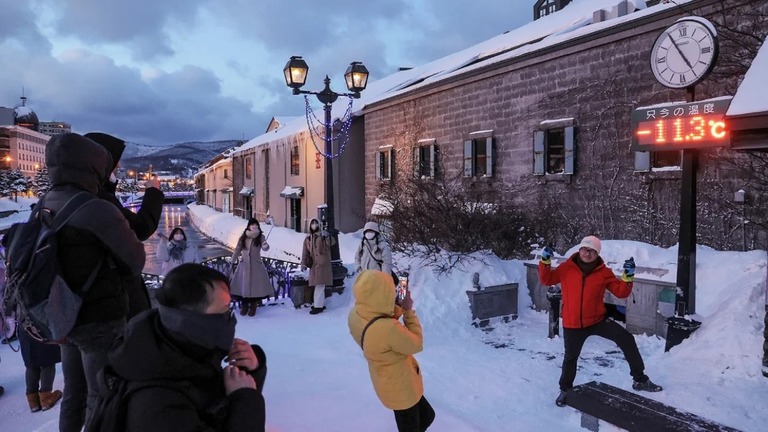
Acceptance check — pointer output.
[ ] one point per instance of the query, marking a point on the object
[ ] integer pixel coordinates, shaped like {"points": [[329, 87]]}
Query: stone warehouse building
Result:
{"points": [[542, 112]]}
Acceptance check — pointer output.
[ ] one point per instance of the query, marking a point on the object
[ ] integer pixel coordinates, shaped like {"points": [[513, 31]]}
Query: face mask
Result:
{"points": [[255, 230], [370, 235], [178, 237], [210, 331], [313, 227]]}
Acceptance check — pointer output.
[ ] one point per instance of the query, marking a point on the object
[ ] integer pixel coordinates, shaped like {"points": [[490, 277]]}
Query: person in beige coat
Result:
{"points": [[389, 346], [316, 256], [250, 281]]}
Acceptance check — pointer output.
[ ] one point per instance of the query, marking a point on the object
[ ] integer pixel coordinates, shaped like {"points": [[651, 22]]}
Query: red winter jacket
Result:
{"points": [[583, 295]]}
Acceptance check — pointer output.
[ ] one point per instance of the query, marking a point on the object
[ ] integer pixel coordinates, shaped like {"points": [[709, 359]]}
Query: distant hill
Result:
{"points": [[178, 158]]}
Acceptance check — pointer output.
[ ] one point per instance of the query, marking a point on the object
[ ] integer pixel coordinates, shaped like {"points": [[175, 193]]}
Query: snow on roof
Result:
{"points": [[572, 21], [752, 95]]}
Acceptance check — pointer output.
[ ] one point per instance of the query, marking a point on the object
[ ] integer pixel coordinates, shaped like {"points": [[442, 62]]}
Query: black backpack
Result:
{"points": [[46, 307]]}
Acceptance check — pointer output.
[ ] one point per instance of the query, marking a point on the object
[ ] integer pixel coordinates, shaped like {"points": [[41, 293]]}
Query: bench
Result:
{"points": [[630, 411]]}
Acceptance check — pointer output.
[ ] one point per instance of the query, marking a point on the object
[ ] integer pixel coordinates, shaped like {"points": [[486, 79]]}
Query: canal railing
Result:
{"points": [[282, 274]]}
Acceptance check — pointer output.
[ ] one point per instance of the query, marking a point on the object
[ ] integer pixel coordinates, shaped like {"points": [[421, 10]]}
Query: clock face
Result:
{"points": [[684, 53]]}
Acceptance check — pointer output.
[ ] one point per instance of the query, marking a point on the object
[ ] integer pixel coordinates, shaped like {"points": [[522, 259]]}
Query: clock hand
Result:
{"points": [[685, 59]]}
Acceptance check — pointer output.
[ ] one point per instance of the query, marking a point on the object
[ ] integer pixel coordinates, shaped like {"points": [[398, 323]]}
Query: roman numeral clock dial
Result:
{"points": [[685, 53]]}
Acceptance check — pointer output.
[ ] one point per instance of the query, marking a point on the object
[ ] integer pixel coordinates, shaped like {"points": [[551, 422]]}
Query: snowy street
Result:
{"points": [[318, 379]]}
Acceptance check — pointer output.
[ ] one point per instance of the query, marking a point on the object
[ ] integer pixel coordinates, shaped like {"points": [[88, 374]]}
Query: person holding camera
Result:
{"points": [[316, 256], [173, 356], [583, 278], [389, 346]]}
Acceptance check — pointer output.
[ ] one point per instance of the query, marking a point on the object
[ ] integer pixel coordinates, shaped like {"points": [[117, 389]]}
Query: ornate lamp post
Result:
{"points": [[356, 78]]}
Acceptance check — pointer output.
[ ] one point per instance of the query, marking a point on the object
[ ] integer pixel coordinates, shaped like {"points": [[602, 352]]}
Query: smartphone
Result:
{"points": [[401, 288]]}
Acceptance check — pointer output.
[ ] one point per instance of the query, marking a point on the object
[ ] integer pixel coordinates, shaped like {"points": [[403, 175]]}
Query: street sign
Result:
{"points": [[681, 126]]}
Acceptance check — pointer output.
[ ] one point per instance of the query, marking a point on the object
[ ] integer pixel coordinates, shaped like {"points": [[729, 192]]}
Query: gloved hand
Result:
{"points": [[546, 255], [629, 270], [324, 234]]}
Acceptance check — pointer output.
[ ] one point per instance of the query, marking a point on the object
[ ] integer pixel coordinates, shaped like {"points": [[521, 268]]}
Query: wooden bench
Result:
{"points": [[630, 411]]}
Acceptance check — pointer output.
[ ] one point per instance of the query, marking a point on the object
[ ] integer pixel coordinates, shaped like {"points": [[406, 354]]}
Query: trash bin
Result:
{"points": [[678, 329]]}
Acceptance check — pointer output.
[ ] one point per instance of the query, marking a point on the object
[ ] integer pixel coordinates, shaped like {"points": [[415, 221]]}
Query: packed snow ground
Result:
{"points": [[318, 379]]}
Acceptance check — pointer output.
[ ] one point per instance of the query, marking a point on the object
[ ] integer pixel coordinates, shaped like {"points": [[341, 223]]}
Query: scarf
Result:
{"points": [[587, 268], [209, 331], [177, 249]]}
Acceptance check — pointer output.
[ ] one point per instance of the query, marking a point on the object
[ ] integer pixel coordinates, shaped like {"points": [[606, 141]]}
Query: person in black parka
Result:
{"points": [[173, 355], [97, 240], [144, 222]]}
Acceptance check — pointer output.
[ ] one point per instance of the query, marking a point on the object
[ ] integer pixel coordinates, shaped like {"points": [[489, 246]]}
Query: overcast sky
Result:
{"points": [[166, 71]]}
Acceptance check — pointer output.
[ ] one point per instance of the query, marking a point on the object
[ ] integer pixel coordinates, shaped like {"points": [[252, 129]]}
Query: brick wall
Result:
{"points": [[597, 81]]}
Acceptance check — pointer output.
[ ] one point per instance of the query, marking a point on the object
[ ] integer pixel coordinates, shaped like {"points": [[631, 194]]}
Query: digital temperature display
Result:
{"points": [[682, 126]]}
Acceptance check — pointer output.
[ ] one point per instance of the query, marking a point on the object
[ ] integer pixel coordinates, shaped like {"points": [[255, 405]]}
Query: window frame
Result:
{"points": [[384, 172], [541, 143], [248, 167], [295, 161], [479, 140], [421, 168]]}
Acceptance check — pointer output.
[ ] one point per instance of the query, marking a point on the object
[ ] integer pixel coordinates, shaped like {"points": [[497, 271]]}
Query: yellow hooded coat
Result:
{"points": [[389, 345]]}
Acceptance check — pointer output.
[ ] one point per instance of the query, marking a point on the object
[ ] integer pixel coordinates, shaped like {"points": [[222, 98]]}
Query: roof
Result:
{"points": [[752, 96], [572, 21]]}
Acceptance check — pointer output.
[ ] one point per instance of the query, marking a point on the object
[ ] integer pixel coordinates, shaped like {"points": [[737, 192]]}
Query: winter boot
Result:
{"points": [[2, 390], [48, 399], [646, 385], [244, 308], [315, 311], [560, 401], [252, 309], [33, 399]]}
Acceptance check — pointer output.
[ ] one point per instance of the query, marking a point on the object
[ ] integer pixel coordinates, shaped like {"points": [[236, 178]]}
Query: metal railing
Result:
{"points": [[279, 272]]}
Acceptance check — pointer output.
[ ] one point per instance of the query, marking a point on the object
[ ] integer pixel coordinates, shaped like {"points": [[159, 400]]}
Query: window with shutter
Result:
{"points": [[385, 160], [554, 148], [424, 161]]}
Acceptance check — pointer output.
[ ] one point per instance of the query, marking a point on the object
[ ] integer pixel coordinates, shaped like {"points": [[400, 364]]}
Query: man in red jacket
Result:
{"points": [[584, 278]]}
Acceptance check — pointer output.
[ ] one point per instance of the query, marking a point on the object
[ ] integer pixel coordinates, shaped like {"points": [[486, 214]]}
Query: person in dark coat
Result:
{"points": [[179, 348], [144, 222], [97, 238], [39, 359], [316, 256]]}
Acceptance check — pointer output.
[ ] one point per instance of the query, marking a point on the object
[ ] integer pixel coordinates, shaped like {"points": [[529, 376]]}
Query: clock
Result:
{"points": [[685, 53]]}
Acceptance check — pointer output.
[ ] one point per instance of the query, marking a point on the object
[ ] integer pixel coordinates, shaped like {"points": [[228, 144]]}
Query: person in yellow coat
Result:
{"points": [[389, 345]]}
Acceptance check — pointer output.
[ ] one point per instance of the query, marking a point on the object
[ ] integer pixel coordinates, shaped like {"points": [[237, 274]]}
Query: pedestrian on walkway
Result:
{"points": [[250, 281], [175, 251], [584, 278], [374, 252], [316, 256]]}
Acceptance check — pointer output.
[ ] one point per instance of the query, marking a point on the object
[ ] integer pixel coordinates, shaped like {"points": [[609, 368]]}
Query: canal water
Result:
{"points": [[175, 215]]}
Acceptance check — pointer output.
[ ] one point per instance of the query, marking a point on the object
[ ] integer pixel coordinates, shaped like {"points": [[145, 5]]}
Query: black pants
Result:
{"points": [[40, 379], [609, 329], [416, 418]]}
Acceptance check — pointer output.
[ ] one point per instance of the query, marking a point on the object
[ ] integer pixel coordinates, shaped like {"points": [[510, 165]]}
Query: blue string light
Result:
{"points": [[346, 125]]}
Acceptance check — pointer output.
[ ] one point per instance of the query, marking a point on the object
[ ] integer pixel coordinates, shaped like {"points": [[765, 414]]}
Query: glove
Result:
{"points": [[546, 255], [629, 270], [324, 233]]}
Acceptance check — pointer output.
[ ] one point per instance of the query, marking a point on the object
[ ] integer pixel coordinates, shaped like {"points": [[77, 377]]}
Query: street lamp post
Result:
{"points": [[356, 78]]}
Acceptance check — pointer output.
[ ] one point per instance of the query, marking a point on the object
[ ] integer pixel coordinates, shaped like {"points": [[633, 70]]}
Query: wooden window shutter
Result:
{"points": [[391, 170], [432, 162], [642, 161], [417, 162], [469, 158], [570, 147], [538, 153], [489, 157], [377, 170]]}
